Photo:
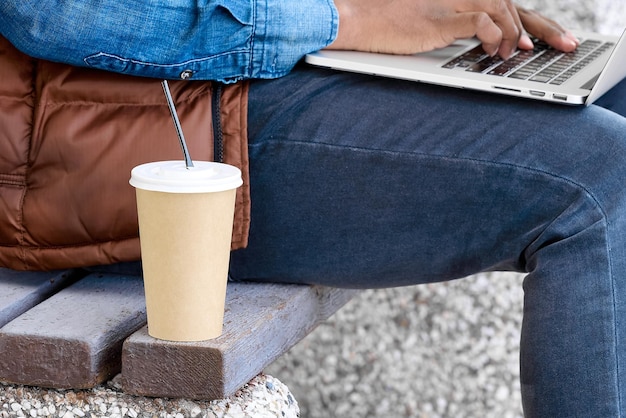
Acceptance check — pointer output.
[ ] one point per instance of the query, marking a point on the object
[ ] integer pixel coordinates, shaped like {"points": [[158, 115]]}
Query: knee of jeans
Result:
{"points": [[576, 236], [591, 157], [602, 179]]}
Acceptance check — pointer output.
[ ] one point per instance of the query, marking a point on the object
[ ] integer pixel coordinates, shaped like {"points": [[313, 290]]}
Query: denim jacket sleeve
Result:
{"points": [[225, 40]]}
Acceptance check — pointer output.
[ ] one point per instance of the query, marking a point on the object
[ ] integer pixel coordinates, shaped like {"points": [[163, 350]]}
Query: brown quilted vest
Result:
{"points": [[69, 137]]}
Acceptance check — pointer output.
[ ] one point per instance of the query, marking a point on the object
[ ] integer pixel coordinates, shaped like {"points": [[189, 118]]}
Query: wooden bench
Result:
{"points": [[73, 329]]}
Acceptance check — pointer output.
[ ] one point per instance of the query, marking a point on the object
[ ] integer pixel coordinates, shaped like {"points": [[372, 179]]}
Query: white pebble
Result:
{"points": [[78, 412], [502, 394]]}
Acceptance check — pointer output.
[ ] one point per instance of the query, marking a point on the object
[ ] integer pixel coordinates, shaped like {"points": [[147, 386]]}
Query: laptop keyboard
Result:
{"points": [[542, 64]]}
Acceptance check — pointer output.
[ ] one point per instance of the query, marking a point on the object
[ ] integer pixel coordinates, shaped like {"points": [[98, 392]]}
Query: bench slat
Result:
{"points": [[74, 338], [21, 290], [261, 322]]}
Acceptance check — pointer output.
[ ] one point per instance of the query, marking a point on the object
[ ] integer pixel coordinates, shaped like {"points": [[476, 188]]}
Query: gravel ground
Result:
{"points": [[441, 350], [263, 397]]}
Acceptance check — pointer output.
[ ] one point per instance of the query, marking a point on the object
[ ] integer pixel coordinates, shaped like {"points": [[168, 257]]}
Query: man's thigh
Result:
{"points": [[366, 182]]}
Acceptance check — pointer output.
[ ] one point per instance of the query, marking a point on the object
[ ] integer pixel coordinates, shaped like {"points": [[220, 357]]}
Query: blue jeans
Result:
{"points": [[364, 182]]}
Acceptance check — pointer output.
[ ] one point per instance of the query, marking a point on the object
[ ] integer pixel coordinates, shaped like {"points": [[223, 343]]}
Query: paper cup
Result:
{"points": [[185, 229]]}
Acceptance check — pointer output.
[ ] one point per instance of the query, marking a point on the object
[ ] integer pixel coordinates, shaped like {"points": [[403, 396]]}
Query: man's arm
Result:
{"points": [[224, 40], [411, 26], [229, 40]]}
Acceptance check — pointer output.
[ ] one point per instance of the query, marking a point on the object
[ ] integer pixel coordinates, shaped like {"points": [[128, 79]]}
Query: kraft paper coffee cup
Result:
{"points": [[185, 228]]}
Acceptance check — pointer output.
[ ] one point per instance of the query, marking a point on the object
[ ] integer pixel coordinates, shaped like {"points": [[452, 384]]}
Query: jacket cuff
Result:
{"points": [[286, 31]]}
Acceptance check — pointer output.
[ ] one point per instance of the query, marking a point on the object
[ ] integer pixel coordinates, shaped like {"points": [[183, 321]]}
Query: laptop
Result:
{"points": [[575, 78]]}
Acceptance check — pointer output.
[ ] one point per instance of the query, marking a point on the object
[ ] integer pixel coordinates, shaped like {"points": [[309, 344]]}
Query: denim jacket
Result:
{"points": [[224, 40]]}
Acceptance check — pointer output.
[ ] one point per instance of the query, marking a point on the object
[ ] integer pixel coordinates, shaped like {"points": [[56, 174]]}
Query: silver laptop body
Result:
{"points": [[576, 78]]}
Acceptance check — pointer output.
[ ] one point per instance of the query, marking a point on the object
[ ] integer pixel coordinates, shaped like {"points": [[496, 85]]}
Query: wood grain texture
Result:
{"points": [[262, 321], [21, 290], [74, 338], [73, 330]]}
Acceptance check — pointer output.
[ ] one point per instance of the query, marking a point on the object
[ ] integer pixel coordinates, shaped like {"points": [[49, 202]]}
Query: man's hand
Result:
{"points": [[548, 30], [411, 26]]}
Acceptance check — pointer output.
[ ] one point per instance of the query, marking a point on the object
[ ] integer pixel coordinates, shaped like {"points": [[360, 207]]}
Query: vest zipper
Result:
{"points": [[218, 135]]}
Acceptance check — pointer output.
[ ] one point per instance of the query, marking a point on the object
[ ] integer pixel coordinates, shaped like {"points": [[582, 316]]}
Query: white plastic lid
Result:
{"points": [[174, 177]]}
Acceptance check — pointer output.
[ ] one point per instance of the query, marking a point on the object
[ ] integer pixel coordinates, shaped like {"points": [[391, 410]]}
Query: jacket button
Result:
{"points": [[186, 74]]}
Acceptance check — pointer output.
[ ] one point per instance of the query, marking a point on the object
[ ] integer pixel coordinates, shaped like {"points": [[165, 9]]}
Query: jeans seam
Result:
{"points": [[446, 157]]}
